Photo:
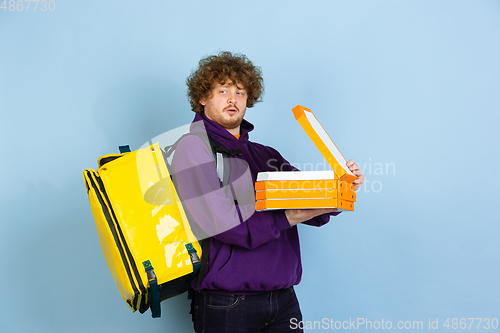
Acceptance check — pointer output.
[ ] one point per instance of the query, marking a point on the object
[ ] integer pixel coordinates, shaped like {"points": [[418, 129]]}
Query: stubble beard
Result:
{"points": [[233, 121]]}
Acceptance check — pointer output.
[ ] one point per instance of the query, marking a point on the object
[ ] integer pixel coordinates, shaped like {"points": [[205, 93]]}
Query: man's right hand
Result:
{"points": [[295, 216]]}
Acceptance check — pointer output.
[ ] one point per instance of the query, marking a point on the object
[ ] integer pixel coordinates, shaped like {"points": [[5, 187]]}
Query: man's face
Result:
{"points": [[226, 105]]}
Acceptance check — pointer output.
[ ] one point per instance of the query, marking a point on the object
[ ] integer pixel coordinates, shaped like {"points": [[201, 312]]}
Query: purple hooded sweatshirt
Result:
{"points": [[250, 252]]}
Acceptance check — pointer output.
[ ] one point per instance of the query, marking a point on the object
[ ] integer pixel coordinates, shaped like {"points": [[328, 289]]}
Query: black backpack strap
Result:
{"points": [[216, 147], [168, 150], [223, 165], [205, 253]]}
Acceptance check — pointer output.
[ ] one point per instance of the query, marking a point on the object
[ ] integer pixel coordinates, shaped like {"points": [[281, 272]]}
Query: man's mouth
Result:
{"points": [[231, 110]]}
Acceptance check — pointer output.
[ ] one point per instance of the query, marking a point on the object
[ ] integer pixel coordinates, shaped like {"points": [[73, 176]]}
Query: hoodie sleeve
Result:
{"points": [[212, 207]]}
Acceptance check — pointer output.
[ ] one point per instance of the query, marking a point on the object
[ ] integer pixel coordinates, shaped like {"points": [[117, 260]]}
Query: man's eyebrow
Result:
{"points": [[230, 85]]}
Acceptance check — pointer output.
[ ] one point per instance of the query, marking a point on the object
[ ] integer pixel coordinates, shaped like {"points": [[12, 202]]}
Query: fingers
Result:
{"points": [[328, 210], [318, 211], [356, 170], [353, 166], [358, 182], [296, 216]]}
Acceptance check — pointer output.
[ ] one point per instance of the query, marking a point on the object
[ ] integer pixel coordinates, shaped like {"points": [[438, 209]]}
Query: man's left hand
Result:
{"points": [[356, 171]]}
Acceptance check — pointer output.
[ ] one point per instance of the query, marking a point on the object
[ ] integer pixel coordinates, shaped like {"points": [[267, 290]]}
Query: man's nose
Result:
{"points": [[231, 99]]}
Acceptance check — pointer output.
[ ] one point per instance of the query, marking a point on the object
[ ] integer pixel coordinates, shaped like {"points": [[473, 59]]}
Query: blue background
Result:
{"points": [[410, 89]]}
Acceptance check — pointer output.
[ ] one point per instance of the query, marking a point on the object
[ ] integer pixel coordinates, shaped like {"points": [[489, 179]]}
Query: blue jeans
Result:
{"points": [[266, 312]]}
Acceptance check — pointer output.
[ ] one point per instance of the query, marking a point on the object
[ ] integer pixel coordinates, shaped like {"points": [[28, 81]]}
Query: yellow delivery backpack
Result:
{"points": [[144, 233]]}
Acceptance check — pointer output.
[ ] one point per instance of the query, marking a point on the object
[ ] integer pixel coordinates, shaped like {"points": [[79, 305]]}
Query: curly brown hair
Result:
{"points": [[219, 68]]}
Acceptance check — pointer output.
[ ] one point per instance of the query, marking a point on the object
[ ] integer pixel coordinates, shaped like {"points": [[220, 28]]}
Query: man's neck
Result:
{"points": [[234, 131]]}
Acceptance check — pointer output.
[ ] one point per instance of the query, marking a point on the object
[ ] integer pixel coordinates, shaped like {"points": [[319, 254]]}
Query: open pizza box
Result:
{"points": [[309, 189]]}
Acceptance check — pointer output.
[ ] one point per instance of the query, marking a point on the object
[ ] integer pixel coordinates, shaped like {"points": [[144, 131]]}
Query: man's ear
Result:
{"points": [[203, 102]]}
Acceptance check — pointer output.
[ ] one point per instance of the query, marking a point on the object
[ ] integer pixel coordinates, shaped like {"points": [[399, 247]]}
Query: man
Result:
{"points": [[254, 259]]}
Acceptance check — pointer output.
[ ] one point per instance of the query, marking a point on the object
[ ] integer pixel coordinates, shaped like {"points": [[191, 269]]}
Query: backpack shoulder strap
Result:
{"points": [[223, 166], [168, 150]]}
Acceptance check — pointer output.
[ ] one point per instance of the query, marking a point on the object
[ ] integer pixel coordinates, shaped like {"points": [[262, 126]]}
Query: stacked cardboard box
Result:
{"points": [[309, 189]]}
